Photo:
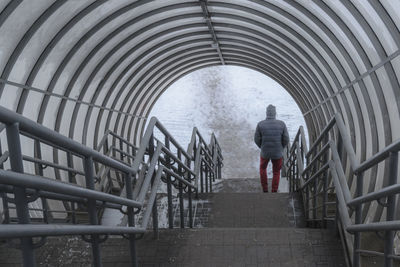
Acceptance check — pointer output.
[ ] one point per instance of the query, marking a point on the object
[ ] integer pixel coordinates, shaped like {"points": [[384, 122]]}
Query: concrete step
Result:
{"points": [[247, 185], [242, 247], [244, 210], [199, 247], [238, 229]]}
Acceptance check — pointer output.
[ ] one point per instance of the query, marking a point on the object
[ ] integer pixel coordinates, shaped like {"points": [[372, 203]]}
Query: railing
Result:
{"points": [[152, 163], [322, 170], [207, 160], [118, 148]]}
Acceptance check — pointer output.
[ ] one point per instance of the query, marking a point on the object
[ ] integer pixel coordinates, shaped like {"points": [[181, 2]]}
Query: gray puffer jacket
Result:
{"points": [[271, 135]]}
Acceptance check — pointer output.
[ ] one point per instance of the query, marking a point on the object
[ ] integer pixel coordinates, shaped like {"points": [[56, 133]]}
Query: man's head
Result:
{"points": [[271, 112]]}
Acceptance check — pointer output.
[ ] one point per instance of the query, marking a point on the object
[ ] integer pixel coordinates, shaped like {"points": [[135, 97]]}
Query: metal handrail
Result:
{"points": [[28, 188], [41, 183], [26, 125], [212, 157], [346, 203]]}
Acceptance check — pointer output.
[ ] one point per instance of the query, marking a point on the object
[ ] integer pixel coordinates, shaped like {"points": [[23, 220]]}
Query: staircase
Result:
{"points": [[236, 225], [248, 228], [245, 228]]}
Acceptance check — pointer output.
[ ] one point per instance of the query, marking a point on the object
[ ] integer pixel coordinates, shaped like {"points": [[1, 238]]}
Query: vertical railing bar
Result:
{"points": [[188, 176], [131, 219], [358, 220], [325, 182], [391, 208], [155, 211], [296, 176], [121, 147], [337, 218], [205, 169], [211, 175], [21, 202], [290, 173], [314, 201], [154, 208], [6, 210], [71, 179], [325, 198], [181, 204], [307, 200], [92, 210], [219, 168], [39, 168], [1, 154], [169, 186]]}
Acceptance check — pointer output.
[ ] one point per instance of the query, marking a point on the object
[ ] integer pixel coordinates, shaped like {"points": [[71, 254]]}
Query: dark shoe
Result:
{"points": [[265, 191]]}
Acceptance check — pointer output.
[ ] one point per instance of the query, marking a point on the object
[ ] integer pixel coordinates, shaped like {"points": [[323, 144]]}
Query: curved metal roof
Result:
{"points": [[81, 67]]}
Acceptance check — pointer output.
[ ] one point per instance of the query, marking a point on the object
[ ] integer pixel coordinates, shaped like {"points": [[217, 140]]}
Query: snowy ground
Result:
{"points": [[228, 101]]}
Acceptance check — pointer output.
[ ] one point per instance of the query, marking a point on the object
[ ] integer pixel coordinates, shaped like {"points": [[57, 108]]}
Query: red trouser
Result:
{"points": [[276, 170]]}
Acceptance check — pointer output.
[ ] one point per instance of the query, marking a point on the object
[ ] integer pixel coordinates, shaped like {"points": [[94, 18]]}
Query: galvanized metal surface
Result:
{"points": [[325, 154], [152, 163]]}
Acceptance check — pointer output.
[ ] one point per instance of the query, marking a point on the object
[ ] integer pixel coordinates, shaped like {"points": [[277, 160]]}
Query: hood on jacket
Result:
{"points": [[271, 112]]}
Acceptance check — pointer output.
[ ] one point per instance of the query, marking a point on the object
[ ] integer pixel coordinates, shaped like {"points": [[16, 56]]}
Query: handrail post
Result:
{"points": [[121, 147], [131, 219], [325, 184], [201, 175], [337, 218], [71, 179], [324, 198], [219, 168], [39, 169], [190, 207], [296, 176], [358, 220], [181, 206], [314, 201], [307, 200], [92, 210], [154, 209], [1, 154], [169, 187], [391, 208], [205, 174], [211, 175], [190, 204], [291, 170], [21, 202]]}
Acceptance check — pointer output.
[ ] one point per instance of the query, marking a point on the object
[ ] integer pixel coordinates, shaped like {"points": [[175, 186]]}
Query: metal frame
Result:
{"points": [[303, 55], [306, 170], [152, 163]]}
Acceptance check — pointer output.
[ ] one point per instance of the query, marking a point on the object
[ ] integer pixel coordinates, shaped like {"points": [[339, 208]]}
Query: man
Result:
{"points": [[271, 136]]}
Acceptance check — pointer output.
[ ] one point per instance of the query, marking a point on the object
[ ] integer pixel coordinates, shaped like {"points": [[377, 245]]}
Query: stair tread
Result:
{"points": [[249, 210]]}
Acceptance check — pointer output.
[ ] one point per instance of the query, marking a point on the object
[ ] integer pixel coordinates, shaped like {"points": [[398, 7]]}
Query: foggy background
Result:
{"points": [[228, 101]]}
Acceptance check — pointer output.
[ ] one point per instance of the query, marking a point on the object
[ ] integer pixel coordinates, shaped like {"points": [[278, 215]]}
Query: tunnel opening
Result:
{"points": [[229, 101]]}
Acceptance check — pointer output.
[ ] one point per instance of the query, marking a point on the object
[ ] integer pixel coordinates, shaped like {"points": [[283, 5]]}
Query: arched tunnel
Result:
{"points": [[83, 67]]}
